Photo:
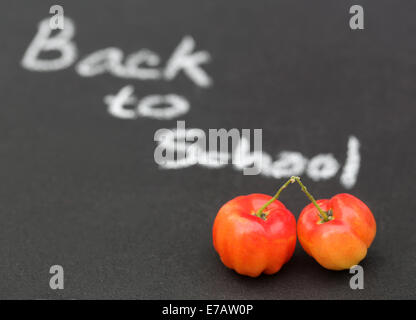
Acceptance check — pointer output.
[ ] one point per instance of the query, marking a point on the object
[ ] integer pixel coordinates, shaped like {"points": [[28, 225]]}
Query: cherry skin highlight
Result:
{"points": [[253, 244]]}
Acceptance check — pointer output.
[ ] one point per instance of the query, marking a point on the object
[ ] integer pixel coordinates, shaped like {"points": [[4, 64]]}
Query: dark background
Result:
{"points": [[80, 188]]}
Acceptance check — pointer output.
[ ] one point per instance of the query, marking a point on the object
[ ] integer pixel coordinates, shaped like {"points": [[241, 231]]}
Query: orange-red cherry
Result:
{"points": [[343, 240], [253, 242]]}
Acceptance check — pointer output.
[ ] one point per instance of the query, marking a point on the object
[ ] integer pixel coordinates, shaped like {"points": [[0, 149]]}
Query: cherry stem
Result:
{"points": [[325, 216], [259, 213], [322, 214]]}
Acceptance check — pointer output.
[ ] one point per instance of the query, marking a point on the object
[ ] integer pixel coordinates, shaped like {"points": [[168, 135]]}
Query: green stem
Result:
{"points": [[323, 215], [260, 213]]}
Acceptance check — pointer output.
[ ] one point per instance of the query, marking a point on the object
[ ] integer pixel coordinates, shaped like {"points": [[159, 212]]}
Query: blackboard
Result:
{"points": [[80, 187]]}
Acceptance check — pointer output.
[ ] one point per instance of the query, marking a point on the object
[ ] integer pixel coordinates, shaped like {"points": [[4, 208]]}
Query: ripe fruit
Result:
{"points": [[336, 232], [255, 234]]}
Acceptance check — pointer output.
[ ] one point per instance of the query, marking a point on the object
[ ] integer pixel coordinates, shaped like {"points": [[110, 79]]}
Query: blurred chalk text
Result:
{"points": [[145, 65], [183, 147]]}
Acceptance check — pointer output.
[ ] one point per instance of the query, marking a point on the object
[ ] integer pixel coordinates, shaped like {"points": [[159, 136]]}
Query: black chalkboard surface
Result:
{"points": [[80, 187]]}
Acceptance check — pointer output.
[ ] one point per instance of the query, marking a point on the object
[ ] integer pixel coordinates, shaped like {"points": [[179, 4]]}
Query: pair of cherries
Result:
{"points": [[256, 233]]}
